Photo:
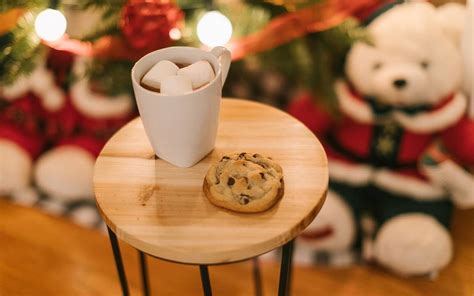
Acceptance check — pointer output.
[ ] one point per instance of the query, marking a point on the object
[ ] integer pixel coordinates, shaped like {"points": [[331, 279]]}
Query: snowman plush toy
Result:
{"points": [[401, 94]]}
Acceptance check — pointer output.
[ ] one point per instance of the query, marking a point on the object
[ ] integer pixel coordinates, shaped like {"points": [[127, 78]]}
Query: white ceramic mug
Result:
{"points": [[182, 129]]}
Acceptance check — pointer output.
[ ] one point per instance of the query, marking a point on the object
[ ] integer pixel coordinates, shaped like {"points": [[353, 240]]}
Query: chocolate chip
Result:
{"points": [[244, 199], [230, 181], [263, 176]]}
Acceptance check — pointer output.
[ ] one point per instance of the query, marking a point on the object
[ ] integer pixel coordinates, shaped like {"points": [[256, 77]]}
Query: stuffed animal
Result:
{"points": [[52, 130], [24, 107], [438, 164], [400, 95], [65, 171]]}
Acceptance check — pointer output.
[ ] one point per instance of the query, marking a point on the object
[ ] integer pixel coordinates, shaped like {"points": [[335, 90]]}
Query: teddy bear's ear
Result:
{"points": [[452, 17]]}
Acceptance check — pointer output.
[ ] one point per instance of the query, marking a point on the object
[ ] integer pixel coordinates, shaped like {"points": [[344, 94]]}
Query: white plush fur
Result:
{"points": [[408, 186], [65, 173], [15, 167], [403, 39], [413, 244], [98, 105], [354, 174], [41, 82], [434, 121], [356, 109], [93, 104], [468, 60], [452, 17], [336, 214], [459, 182]]}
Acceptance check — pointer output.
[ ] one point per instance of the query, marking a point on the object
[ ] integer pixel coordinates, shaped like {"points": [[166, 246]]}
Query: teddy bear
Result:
{"points": [[53, 128], [24, 107], [65, 171], [401, 93], [437, 164]]}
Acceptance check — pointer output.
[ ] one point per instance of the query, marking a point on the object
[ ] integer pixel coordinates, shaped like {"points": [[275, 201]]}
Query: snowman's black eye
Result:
{"points": [[424, 64], [377, 66]]}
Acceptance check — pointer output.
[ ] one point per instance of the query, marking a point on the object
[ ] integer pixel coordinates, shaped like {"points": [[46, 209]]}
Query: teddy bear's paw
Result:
{"points": [[333, 230], [65, 173], [413, 244], [15, 167]]}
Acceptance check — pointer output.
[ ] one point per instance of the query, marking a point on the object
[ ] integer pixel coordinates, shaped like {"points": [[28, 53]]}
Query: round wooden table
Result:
{"points": [[162, 211]]}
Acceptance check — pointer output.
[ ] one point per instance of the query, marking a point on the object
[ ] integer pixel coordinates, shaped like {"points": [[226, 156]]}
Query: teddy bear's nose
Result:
{"points": [[399, 83]]}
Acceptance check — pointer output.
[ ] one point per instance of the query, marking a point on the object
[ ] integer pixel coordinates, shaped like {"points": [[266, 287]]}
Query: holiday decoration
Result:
{"points": [[147, 23], [400, 95]]}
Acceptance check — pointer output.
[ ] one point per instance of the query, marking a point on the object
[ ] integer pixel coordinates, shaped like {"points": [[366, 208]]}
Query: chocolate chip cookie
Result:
{"points": [[244, 182]]}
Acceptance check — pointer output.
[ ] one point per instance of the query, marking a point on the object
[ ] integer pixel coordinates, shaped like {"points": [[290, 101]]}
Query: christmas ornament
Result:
{"points": [[393, 106], [147, 23]]}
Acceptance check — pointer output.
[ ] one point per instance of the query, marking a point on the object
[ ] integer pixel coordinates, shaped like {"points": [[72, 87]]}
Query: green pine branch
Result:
{"points": [[6, 5], [19, 50], [110, 77]]}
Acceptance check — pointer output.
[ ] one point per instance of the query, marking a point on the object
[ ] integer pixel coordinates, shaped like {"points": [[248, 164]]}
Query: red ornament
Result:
{"points": [[146, 23]]}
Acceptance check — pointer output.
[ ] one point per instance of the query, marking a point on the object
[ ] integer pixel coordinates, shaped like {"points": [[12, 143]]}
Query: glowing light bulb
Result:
{"points": [[175, 34], [50, 24], [214, 29]]}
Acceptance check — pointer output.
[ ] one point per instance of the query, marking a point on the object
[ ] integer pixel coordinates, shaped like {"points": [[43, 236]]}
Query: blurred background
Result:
{"points": [[65, 85]]}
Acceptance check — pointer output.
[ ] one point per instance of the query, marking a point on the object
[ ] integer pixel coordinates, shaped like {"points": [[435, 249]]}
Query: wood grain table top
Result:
{"points": [[162, 210]]}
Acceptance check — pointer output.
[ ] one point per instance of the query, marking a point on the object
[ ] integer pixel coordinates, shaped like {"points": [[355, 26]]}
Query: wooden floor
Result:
{"points": [[43, 255]]}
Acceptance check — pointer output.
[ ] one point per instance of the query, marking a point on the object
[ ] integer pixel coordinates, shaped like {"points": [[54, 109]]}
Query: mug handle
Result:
{"points": [[223, 55]]}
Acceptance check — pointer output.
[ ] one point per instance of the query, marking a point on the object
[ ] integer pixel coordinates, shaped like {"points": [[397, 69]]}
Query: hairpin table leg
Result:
{"points": [[285, 269], [118, 262], [257, 277], [144, 273], [206, 283]]}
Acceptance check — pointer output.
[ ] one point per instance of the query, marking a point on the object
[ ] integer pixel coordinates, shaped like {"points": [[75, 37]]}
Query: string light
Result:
{"points": [[50, 24], [214, 29], [175, 34]]}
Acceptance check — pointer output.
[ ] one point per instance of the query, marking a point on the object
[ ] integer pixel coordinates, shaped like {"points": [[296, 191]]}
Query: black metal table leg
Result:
{"points": [[144, 273], [286, 269], [118, 262], [206, 283], [257, 277]]}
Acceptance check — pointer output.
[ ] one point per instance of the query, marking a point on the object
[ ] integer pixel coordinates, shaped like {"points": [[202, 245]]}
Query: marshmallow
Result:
{"points": [[176, 85], [200, 73], [158, 73]]}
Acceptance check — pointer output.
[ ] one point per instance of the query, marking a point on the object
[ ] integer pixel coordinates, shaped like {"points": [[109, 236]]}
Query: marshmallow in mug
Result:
{"points": [[176, 85], [169, 79], [158, 72]]}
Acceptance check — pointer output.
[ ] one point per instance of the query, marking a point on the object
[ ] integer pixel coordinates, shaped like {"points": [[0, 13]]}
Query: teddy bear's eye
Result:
{"points": [[377, 66], [424, 64]]}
